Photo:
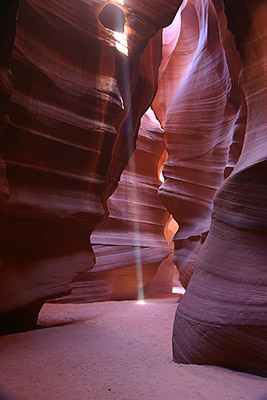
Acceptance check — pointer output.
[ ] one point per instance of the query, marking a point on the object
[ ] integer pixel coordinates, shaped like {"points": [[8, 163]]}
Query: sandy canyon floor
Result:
{"points": [[108, 351]]}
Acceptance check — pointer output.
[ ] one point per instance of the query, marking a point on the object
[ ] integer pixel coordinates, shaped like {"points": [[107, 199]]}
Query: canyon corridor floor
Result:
{"points": [[111, 350]]}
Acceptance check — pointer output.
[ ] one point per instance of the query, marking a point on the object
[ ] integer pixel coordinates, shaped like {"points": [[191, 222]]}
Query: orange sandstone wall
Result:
{"points": [[130, 246]]}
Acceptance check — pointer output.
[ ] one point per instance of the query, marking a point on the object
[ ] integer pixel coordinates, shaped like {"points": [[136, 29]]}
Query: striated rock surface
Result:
{"points": [[222, 318], [8, 13], [130, 247], [74, 115], [199, 104]]}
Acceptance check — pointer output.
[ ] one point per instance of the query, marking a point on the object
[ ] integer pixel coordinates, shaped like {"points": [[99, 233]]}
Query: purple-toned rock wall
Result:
{"points": [[198, 103], [130, 246], [222, 317], [74, 113]]}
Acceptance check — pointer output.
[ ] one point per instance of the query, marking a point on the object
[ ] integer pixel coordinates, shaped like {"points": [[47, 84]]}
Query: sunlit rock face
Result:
{"points": [[131, 245], [73, 116], [198, 103], [222, 317]]}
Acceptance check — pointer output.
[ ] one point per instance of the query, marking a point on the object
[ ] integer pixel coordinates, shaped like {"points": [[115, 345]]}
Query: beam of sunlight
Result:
{"points": [[121, 42], [178, 290], [139, 272], [129, 142], [141, 302], [138, 255]]}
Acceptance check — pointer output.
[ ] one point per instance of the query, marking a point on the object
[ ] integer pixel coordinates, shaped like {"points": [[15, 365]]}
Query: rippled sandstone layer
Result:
{"points": [[130, 246], [74, 115], [222, 318], [198, 103]]}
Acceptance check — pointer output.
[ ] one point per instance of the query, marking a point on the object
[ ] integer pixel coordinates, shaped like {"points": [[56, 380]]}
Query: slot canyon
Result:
{"points": [[133, 199]]}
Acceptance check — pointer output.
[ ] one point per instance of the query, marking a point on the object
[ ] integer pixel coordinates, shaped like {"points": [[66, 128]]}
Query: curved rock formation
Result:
{"points": [[222, 318], [131, 245], [8, 14], [198, 102], [74, 115]]}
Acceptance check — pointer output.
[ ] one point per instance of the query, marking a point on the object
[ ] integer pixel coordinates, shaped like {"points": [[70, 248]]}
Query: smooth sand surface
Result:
{"points": [[108, 351]]}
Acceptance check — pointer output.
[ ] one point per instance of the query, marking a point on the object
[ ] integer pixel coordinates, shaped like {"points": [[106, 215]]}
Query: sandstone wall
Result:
{"points": [[131, 245], [200, 106], [74, 115], [222, 317]]}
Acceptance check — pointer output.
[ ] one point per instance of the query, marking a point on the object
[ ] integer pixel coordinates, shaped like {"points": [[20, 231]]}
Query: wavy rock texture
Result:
{"points": [[74, 116], [222, 318], [8, 13], [198, 103], [131, 245]]}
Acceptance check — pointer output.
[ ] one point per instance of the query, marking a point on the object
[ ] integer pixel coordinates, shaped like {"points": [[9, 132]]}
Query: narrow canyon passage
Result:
{"points": [[133, 199]]}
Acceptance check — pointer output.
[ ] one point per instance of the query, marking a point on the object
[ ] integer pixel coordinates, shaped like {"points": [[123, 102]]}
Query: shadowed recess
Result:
{"points": [[112, 17]]}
